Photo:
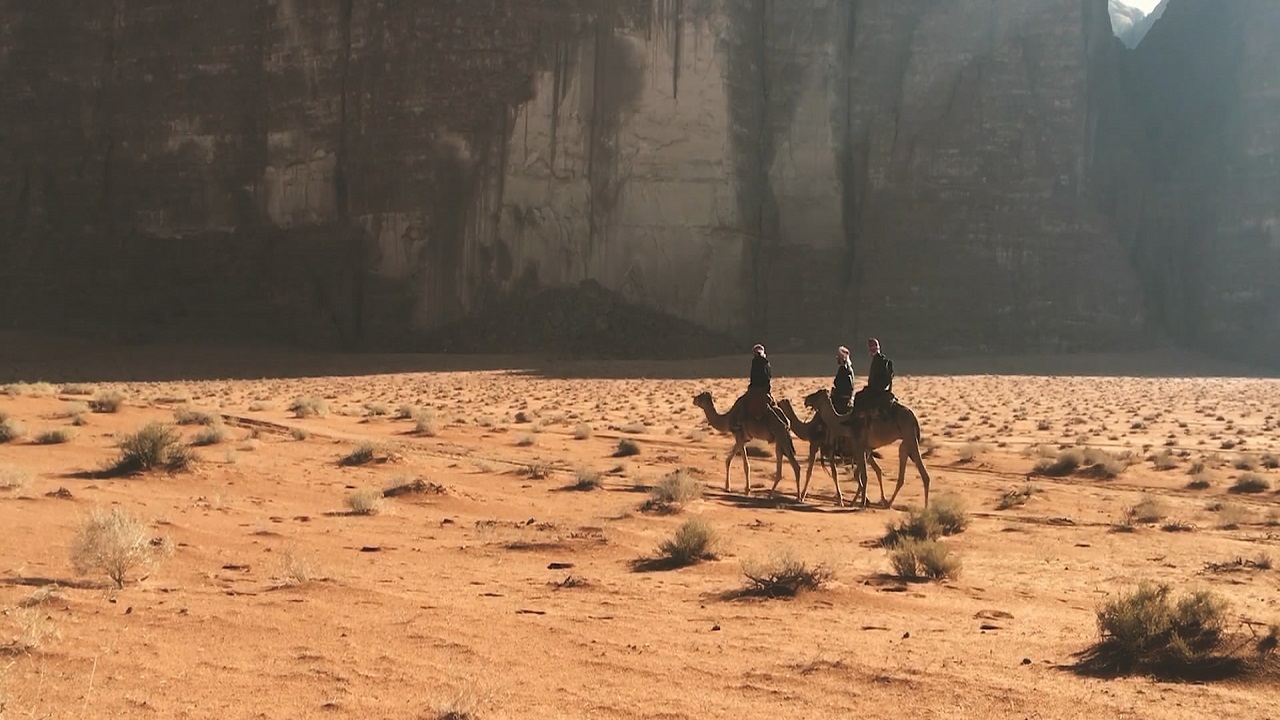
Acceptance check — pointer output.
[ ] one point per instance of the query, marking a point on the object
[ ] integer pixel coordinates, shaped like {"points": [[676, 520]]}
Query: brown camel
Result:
{"points": [[769, 428], [823, 445], [901, 425]]}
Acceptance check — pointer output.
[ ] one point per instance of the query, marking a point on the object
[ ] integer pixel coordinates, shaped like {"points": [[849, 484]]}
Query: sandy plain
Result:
{"points": [[503, 593]]}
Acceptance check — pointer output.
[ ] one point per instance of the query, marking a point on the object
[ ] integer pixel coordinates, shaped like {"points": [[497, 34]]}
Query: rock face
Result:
{"points": [[951, 176], [1131, 24], [1190, 170]]}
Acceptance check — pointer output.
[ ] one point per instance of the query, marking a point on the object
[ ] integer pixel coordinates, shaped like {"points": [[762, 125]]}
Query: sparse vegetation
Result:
{"points": [[308, 406], [586, 480], [1017, 497], [946, 515], [191, 416], [971, 451], [424, 423], [113, 542], [627, 448], [672, 493], [107, 401], [1067, 462], [363, 454], [10, 429], [364, 502], [12, 478], [1146, 631], [299, 434], [1148, 510], [55, 436], [157, 445], [783, 576], [582, 432], [1249, 483], [211, 435], [1199, 482], [912, 558], [694, 542]]}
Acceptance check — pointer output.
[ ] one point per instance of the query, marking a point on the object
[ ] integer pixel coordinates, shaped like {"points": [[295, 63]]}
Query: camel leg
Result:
{"points": [[813, 452], [903, 453], [914, 454], [836, 481], [728, 465], [746, 468]]}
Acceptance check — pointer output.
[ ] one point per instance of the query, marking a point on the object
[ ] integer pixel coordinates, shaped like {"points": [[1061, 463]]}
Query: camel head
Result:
{"points": [[812, 400], [702, 400]]}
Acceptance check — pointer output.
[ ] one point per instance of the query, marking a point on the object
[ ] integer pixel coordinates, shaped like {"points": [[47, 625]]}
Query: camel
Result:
{"points": [[822, 444], [902, 425], [769, 428]]}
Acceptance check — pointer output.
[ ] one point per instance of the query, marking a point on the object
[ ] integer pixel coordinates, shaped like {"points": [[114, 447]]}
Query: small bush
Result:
{"points": [[945, 516], [211, 435], [1146, 630], [308, 406], [1164, 460], [113, 542], [299, 434], [913, 559], [971, 451], [582, 432], [1250, 483], [191, 416], [1067, 462], [107, 401], [76, 389], [363, 454], [1148, 510], [10, 429], [587, 480], [672, 493], [424, 423], [783, 576], [1017, 497], [694, 542], [156, 445], [12, 478], [1271, 461], [56, 436], [1232, 516], [527, 441], [627, 448], [1199, 482], [364, 502]]}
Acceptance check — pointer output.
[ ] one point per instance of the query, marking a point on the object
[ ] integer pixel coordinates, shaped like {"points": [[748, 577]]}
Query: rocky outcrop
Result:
{"points": [[1190, 164], [954, 176]]}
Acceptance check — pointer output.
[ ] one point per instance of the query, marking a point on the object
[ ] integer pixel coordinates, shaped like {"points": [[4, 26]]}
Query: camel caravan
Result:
{"points": [[846, 426]]}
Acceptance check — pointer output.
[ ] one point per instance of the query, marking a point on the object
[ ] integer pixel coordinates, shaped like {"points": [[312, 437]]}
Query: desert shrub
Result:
{"points": [[1148, 510], [107, 401], [945, 516], [1249, 483], [1271, 461], [1017, 497], [76, 389], [1147, 630], [12, 478], [627, 448], [673, 492], [694, 542], [527, 441], [308, 406], [582, 432], [783, 576], [10, 429], [1067, 462], [211, 435], [586, 480], [1199, 482], [424, 423], [364, 502], [299, 434], [1164, 460], [191, 416], [1106, 465], [363, 454], [377, 409], [971, 451], [113, 542], [55, 436], [913, 558], [156, 445]]}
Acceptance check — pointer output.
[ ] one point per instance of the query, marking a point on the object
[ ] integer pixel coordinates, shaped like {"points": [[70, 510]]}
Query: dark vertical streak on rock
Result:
{"points": [[353, 239]]}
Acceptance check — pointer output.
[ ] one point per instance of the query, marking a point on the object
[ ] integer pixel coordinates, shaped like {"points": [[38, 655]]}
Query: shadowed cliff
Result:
{"points": [[966, 176]]}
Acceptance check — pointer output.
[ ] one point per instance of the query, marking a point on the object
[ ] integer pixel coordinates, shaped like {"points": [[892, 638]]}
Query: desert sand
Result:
{"points": [[501, 592]]}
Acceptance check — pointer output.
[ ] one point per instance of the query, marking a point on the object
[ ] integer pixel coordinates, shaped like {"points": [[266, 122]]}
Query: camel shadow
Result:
{"points": [[779, 502]]}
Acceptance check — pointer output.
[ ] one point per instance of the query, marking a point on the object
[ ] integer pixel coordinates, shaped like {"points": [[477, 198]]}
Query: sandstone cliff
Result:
{"points": [[976, 174]]}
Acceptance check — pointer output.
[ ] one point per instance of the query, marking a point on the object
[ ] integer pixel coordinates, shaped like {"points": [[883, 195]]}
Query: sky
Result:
{"points": [[1144, 5]]}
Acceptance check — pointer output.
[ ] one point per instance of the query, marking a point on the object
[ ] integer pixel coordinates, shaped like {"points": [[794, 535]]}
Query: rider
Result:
{"points": [[877, 395], [760, 384], [842, 386]]}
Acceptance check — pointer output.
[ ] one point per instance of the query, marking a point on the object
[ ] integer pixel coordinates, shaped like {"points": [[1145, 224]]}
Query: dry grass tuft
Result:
{"points": [[113, 542]]}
